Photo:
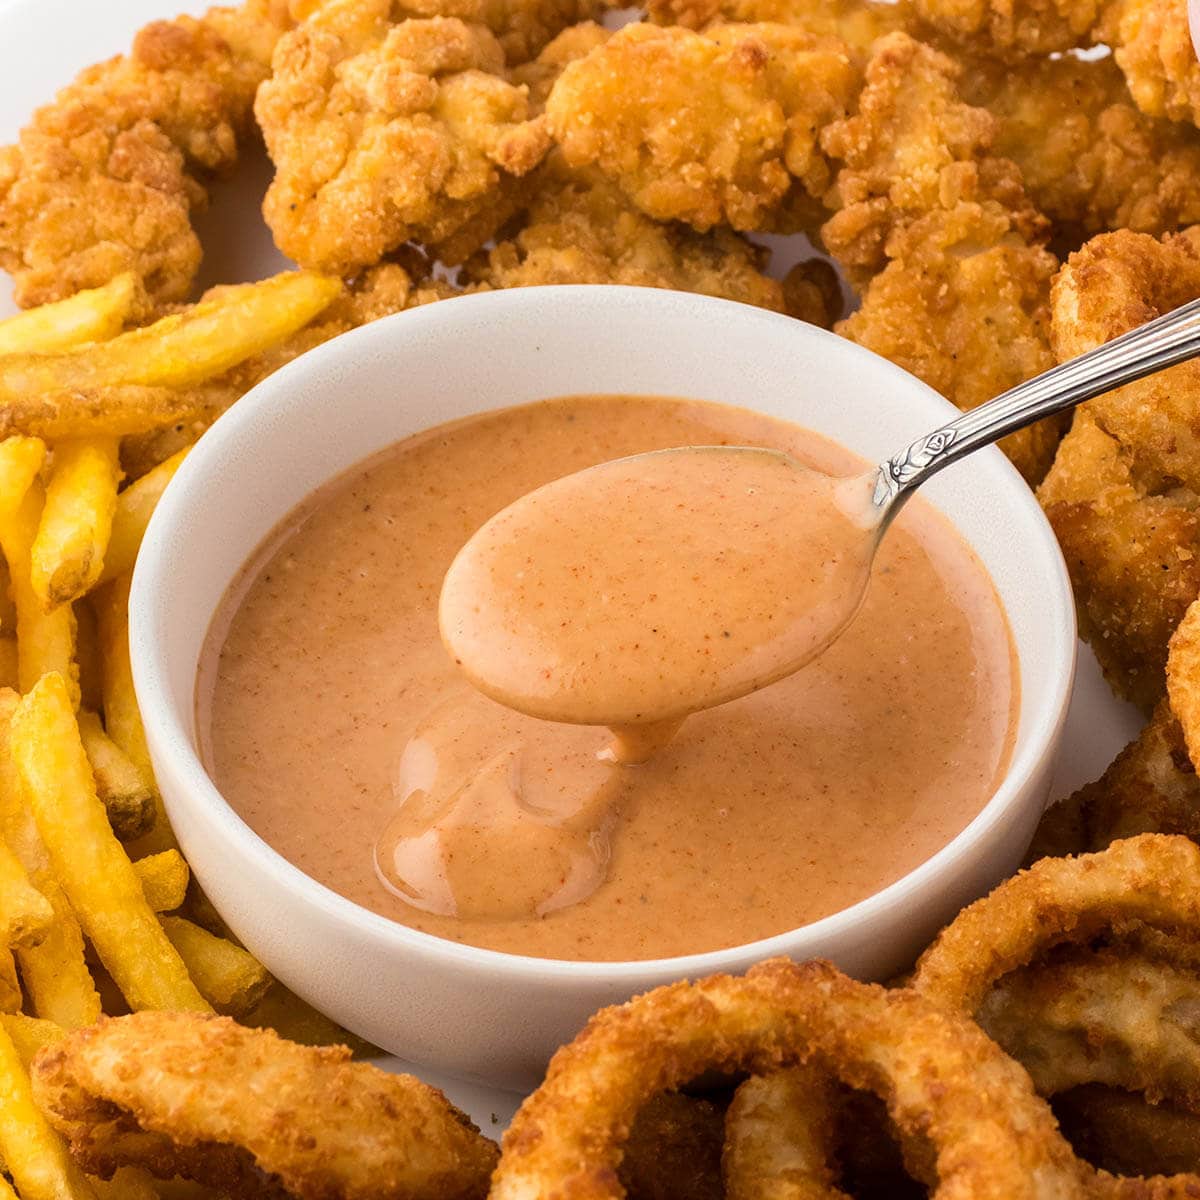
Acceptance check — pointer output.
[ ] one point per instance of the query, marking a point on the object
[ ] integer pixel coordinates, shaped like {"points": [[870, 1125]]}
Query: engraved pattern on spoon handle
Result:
{"points": [[1163, 342]]}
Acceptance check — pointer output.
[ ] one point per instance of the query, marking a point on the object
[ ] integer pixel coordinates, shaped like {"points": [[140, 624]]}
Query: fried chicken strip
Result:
{"points": [[1090, 158], [580, 228], [944, 234], [714, 128], [1010, 29], [246, 1112], [856, 22], [104, 179], [1153, 46]]}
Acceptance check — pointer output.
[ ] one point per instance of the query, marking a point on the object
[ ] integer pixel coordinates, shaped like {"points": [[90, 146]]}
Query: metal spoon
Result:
{"points": [[646, 588]]}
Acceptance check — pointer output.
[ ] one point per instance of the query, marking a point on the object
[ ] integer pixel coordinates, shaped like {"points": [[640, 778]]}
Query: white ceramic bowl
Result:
{"points": [[477, 1013]]}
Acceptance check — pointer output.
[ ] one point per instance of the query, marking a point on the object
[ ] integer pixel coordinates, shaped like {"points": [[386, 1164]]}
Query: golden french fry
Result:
{"points": [[87, 655], [68, 553], [10, 983], [124, 790], [45, 640], [30, 1034], [55, 972], [91, 316], [122, 721], [180, 350], [25, 914], [297, 1021], [8, 662], [21, 459], [164, 879], [231, 979], [96, 874], [135, 507], [113, 411], [36, 1157]]}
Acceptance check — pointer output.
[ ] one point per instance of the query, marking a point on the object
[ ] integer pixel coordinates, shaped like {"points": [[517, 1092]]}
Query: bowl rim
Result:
{"points": [[147, 632]]}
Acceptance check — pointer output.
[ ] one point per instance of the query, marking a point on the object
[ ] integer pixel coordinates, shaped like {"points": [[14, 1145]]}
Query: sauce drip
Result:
{"points": [[336, 725]]}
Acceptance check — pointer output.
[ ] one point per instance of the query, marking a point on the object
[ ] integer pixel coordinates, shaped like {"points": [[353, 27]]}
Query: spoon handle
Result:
{"points": [[1163, 342]]}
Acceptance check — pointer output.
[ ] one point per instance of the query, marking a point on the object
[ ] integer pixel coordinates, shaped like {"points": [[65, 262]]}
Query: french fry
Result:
{"points": [[122, 721], [127, 1183], [135, 507], [11, 998], [55, 972], [100, 882], [25, 914], [8, 662], [164, 879], [87, 655], [68, 552], [124, 790], [36, 1157], [114, 411], [91, 316], [231, 979], [45, 640], [21, 459], [297, 1021], [30, 1034], [182, 349]]}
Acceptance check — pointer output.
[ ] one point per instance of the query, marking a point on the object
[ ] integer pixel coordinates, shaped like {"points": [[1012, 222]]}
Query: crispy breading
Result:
{"points": [[104, 179], [1153, 46], [812, 291], [1091, 160], [244, 1111], [1010, 29], [1150, 787], [914, 146], [1132, 547], [710, 128], [581, 229], [1113, 284], [386, 133], [857, 22], [522, 27], [944, 234], [541, 74]]}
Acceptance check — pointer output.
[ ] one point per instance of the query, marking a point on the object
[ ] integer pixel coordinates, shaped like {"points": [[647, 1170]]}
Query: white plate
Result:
{"points": [[44, 42]]}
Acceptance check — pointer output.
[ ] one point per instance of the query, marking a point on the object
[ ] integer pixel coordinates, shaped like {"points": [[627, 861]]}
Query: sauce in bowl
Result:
{"points": [[337, 726]]}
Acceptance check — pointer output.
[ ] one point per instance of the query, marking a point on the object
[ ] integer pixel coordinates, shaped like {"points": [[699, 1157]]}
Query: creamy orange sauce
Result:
{"points": [[340, 729], [641, 590]]}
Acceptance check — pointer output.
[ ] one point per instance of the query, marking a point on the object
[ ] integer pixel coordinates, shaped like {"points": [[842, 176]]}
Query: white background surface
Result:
{"points": [[44, 42]]}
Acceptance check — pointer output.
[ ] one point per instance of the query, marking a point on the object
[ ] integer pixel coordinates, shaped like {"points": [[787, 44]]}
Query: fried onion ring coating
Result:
{"points": [[941, 1077], [242, 1110]]}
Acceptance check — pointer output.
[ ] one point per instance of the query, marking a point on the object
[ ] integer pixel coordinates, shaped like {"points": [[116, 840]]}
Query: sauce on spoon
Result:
{"points": [[638, 591]]}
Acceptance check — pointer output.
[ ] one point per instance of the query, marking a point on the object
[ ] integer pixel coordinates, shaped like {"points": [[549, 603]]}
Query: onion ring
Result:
{"points": [[244, 1111], [779, 1138], [1153, 879], [941, 1077]]}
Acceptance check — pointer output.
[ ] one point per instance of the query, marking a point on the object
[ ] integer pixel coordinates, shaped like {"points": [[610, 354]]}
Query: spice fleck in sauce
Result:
{"points": [[340, 729]]}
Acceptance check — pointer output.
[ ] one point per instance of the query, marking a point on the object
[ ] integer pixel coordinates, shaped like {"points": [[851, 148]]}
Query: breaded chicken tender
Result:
{"points": [[522, 27], [1153, 46], [1150, 787], [1010, 29], [1113, 284], [250, 1114], [386, 133], [915, 146], [1090, 158], [708, 128], [857, 22], [1132, 547], [945, 235], [105, 178], [581, 229], [541, 74]]}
